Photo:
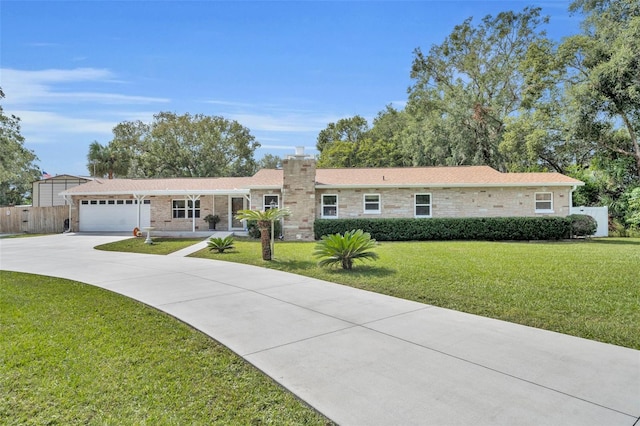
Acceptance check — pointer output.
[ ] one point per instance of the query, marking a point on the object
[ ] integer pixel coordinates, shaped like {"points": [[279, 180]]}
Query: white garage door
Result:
{"points": [[113, 215]]}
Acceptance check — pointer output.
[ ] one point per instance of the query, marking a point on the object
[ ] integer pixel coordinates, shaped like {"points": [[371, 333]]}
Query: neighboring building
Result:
{"points": [[46, 192], [311, 193]]}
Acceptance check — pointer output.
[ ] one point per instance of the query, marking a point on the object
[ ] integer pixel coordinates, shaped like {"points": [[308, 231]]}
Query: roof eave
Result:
{"points": [[161, 192], [450, 185]]}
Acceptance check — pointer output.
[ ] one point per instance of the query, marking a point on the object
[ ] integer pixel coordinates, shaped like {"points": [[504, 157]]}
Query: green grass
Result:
{"points": [[159, 246], [76, 354], [23, 235], [589, 289]]}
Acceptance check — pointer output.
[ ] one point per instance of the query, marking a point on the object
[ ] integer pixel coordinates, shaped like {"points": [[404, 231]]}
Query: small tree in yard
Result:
{"points": [[344, 249], [264, 220]]}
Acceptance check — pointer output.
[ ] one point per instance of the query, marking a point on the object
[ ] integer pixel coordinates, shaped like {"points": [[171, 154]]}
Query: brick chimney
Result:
{"points": [[299, 195]]}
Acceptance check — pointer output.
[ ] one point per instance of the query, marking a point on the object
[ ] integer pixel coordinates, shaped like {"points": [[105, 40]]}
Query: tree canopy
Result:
{"points": [[184, 146], [17, 168], [499, 92]]}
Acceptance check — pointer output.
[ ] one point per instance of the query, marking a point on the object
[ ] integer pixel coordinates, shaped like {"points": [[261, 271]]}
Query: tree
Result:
{"points": [[185, 146], [129, 139], [196, 146], [605, 83], [269, 161], [17, 168], [344, 130], [264, 219], [107, 160], [466, 87], [338, 143]]}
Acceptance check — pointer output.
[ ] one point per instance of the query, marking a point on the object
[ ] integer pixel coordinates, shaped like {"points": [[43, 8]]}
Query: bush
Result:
{"points": [[254, 231], [582, 225], [342, 250], [220, 244], [487, 228]]}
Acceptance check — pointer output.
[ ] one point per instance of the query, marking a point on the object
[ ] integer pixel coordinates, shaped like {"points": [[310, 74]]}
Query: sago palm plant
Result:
{"points": [[220, 244], [344, 249]]}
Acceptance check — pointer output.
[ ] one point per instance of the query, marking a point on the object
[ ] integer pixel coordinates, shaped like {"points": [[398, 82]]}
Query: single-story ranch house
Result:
{"points": [[181, 204]]}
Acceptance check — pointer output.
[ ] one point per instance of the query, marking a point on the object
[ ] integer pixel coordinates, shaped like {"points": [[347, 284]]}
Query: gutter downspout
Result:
{"points": [[571, 197]]}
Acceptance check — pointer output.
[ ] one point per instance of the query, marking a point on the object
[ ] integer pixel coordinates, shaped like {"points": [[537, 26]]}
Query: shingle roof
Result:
{"points": [[162, 186], [436, 176], [418, 176], [460, 176]]}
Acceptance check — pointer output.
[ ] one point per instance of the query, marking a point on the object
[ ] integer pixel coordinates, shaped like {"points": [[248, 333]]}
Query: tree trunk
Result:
{"points": [[265, 239]]}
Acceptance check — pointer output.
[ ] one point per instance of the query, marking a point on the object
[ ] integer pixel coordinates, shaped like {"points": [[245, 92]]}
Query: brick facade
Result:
{"points": [[447, 202]]}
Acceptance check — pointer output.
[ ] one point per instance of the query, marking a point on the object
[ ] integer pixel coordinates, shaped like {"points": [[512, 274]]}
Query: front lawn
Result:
{"points": [[76, 354], [159, 246], [588, 288]]}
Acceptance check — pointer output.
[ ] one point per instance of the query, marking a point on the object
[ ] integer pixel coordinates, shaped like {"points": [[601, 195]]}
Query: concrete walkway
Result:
{"points": [[358, 357]]}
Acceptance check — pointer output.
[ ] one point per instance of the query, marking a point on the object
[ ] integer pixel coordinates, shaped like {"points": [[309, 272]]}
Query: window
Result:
{"points": [[329, 206], [372, 203], [544, 202], [184, 209], [268, 199], [423, 205]]}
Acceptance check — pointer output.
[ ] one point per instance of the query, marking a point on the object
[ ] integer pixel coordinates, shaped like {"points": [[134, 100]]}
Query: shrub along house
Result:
{"points": [[180, 205]]}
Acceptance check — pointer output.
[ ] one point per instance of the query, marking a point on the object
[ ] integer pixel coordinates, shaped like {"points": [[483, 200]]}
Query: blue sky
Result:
{"points": [[72, 70]]}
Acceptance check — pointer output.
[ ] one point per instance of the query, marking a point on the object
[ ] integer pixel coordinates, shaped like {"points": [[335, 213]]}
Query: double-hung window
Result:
{"points": [[329, 206], [270, 200], [422, 207], [371, 203], [544, 202], [184, 209]]}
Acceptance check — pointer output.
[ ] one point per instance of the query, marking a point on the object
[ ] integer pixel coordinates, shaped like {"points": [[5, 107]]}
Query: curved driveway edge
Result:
{"points": [[359, 357]]}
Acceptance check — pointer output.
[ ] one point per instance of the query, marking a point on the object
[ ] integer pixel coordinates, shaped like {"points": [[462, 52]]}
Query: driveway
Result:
{"points": [[358, 357]]}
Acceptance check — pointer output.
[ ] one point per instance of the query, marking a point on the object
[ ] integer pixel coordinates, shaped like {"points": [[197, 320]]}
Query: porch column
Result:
{"points": [[139, 198], [193, 199]]}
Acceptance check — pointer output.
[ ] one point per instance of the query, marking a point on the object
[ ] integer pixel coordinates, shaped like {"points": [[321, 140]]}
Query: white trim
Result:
{"points": [[365, 202], [264, 201], [415, 205], [322, 205], [440, 185], [535, 200]]}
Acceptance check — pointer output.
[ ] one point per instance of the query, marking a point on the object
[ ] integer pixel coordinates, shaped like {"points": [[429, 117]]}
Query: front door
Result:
{"points": [[237, 204]]}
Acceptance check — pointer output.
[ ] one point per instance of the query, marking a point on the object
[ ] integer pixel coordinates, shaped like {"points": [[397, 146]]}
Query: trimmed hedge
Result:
{"points": [[483, 228], [582, 225]]}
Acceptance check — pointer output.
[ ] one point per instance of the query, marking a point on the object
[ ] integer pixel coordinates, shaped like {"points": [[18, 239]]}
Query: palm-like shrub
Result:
{"points": [[344, 249], [263, 220], [220, 244]]}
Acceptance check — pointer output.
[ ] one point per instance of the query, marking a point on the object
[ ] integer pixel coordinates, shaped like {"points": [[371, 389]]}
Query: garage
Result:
{"points": [[113, 215]]}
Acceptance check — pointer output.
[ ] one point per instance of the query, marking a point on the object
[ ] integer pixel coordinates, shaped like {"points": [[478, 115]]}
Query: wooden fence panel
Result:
{"points": [[33, 220]]}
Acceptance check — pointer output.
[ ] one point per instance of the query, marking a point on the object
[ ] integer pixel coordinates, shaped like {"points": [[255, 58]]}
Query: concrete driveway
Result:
{"points": [[358, 357]]}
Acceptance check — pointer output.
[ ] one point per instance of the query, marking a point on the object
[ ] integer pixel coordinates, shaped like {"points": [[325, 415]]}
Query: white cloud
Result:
{"points": [[28, 88], [40, 127], [273, 117]]}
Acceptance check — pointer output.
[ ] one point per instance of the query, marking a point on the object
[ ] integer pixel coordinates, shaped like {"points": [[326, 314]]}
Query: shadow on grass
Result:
{"points": [[363, 271], [616, 241]]}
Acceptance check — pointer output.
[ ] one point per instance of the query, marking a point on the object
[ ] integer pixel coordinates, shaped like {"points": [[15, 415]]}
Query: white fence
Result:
{"points": [[600, 214]]}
